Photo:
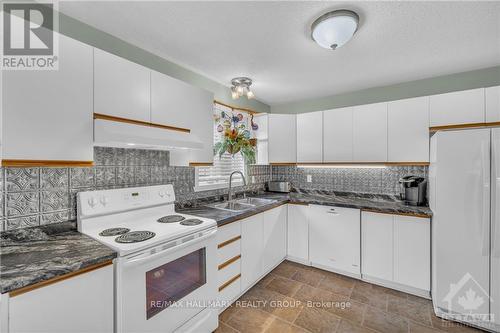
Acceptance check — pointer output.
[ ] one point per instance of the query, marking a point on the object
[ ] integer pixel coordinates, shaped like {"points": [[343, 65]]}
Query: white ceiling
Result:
{"points": [[269, 41]]}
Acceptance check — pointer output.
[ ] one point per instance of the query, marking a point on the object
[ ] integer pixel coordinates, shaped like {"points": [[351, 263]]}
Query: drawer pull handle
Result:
{"points": [[229, 262], [229, 241], [226, 284]]}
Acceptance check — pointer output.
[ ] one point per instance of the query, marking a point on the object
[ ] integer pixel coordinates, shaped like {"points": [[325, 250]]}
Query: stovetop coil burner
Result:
{"points": [[135, 237], [114, 232], [171, 219], [191, 222]]}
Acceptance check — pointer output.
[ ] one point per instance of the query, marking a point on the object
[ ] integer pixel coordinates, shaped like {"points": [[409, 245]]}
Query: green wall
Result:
{"points": [[92, 36], [486, 77]]}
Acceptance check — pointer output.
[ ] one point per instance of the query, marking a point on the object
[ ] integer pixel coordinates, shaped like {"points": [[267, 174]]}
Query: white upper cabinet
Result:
{"points": [[47, 114], [455, 108], [282, 138], [174, 103], [408, 130], [492, 104], [310, 137], [337, 135], [370, 133], [121, 87]]}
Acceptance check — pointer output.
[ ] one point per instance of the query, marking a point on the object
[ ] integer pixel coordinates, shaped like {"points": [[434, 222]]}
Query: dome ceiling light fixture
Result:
{"points": [[241, 86], [335, 28]]}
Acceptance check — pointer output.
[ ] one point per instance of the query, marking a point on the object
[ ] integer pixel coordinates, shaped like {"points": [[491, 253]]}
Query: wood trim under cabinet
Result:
{"points": [[283, 164], [462, 126], [365, 163], [229, 241], [59, 278], [45, 163], [229, 262], [139, 122], [425, 216], [200, 164], [236, 108], [226, 284]]}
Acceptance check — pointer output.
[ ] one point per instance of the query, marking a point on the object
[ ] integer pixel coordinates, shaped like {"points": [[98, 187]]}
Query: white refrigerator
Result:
{"points": [[464, 192]]}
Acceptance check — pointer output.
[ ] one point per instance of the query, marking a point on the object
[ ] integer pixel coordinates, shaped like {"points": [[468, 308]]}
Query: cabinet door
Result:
{"points": [[121, 87], [310, 137], [337, 135], [492, 104], [274, 237], [298, 233], [173, 102], [252, 247], [334, 238], [461, 107], [370, 133], [377, 245], [412, 251], [262, 138], [47, 114], [202, 129], [408, 130], [282, 138], [83, 303]]}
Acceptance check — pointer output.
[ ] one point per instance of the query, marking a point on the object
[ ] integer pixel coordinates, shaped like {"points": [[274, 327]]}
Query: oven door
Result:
{"points": [[162, 288]]}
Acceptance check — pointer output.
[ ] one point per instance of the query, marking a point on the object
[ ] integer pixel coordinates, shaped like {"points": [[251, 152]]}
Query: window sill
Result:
{"points": [[215, 186]]}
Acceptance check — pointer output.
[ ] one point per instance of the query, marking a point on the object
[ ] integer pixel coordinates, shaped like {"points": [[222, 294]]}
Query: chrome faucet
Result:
{"points": [[229, 194]]}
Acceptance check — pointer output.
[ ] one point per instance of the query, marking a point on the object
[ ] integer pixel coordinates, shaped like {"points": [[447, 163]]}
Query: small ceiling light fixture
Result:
{"points": [[334, 29], [240, 87]]}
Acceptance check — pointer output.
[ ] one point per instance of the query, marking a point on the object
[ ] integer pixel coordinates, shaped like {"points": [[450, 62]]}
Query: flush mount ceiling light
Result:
{"points": [[240, 87], [334, 29]]}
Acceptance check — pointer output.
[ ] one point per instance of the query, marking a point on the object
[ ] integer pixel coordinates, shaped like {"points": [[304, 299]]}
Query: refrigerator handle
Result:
{"points": [[495, 226], [485, 186]]}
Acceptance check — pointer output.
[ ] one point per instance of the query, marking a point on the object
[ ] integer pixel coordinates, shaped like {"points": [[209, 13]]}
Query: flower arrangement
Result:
{"points": [[236, 137]]}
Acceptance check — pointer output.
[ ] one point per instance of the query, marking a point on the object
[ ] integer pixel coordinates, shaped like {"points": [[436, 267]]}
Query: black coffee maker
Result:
{"points": [[413, 190]]}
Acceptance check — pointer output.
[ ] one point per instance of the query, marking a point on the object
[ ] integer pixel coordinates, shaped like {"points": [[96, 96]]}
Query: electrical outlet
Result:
{"points": [[309, 179]]}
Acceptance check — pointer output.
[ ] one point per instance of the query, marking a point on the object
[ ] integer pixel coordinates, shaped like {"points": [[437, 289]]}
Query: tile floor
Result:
{"points": [[296, 298]]}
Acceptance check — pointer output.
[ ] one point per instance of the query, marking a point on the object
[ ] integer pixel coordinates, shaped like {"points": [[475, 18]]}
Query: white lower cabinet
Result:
{"points": [[252, 249], [396, 250], [274, 237], [298, 233], [83, 303], [334, 238], [229, 263]]}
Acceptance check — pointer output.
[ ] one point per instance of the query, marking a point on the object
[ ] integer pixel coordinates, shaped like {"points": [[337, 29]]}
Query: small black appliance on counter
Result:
{"points": [[413, 190]]}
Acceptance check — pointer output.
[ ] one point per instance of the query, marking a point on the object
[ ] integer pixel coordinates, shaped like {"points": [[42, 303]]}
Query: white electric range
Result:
{"points": [[165, 273]]}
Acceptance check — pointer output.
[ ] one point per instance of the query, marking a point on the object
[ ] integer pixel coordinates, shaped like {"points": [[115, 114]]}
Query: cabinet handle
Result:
{"points": [[334, 213]]}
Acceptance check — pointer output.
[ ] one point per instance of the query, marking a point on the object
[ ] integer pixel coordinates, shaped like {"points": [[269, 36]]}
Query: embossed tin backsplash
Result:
{"points": [[36, 196]]}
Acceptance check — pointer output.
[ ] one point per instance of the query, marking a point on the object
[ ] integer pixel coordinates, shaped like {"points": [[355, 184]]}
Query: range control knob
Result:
{"points": [[92, 202], [104, 201], [161, 193]]}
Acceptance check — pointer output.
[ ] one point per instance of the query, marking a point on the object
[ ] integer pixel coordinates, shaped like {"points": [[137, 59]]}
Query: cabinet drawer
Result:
{"points": [[229, 291], [228, 232], [226, 273], [229, 251]]}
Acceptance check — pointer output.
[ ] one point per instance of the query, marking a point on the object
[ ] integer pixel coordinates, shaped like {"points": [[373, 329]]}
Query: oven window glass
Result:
{"points": [[169, 283]]}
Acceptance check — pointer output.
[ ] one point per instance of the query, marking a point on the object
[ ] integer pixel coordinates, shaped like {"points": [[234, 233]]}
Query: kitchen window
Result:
{"points": [[217, 176]]}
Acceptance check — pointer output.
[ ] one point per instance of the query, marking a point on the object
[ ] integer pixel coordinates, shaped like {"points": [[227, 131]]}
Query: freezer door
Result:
{"points": [[495, 226], [460, 168]]}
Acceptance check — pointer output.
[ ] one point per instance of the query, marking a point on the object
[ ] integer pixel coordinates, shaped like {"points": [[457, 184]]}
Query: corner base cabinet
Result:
{"points": [[334, 239], [83, 303]]}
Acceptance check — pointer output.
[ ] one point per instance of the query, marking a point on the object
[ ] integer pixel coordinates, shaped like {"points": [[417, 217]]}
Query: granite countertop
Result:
{"points": [[369, 202], [32, 255]]}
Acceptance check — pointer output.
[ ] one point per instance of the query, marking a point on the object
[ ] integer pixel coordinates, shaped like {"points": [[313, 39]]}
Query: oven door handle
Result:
{"points": [[147, 256]]}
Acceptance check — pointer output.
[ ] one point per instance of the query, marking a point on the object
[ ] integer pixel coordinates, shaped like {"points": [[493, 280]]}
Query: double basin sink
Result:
{"points": [[241, 205]]}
